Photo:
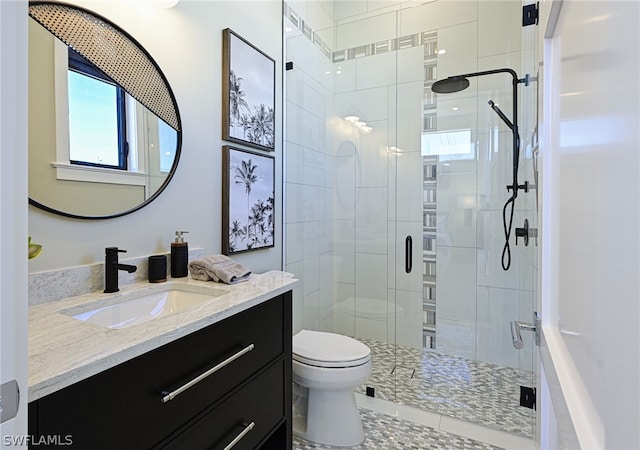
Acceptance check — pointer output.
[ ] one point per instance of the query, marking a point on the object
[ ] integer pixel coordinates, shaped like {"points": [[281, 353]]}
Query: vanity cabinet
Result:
{"points": [[230, 381]]}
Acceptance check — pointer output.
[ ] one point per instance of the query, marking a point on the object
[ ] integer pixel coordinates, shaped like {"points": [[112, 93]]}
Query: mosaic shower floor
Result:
{"points": [[384, 432], [473, 391]]}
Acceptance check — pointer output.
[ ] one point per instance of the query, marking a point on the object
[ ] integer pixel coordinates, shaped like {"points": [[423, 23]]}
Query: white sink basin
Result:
{"points": [[133, 308]]}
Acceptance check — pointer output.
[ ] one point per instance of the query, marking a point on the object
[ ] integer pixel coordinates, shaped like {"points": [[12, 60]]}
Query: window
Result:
{"points": [[97, 117]]}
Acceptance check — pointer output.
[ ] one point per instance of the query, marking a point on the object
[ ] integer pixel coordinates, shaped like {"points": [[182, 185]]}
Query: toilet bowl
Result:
{"points": [[327, 367]]}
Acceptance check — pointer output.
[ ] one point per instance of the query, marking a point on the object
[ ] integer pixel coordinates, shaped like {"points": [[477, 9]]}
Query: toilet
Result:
{"points": [[327, 367]]}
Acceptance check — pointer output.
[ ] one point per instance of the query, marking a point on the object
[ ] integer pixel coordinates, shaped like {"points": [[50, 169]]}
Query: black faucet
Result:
{"points": [[111, 268]]}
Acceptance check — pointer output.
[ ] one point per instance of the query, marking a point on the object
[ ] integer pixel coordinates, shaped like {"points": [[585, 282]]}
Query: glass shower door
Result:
{"points": [[464, 365]]}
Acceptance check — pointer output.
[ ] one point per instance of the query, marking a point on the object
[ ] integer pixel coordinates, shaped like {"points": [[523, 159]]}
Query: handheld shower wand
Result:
{"points": [[458, 83]]}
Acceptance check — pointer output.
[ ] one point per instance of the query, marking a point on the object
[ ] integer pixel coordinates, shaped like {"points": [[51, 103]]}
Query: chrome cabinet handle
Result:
{"points": [[166, 396], [241, 435]]}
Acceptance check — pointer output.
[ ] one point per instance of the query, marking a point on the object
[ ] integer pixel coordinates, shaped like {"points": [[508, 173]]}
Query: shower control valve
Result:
{"points": [[521, 187], [523, 233], [526, 232]]}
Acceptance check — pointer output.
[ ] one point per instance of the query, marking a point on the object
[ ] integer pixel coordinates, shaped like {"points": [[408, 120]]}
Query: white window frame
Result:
{"points": [[135, 176]]}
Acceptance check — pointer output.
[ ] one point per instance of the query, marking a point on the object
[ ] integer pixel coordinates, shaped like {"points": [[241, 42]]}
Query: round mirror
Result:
{"points": [[104, 127]]}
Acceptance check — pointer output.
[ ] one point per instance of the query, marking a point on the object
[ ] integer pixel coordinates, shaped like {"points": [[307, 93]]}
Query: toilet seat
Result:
{"points": [[321, 349]]}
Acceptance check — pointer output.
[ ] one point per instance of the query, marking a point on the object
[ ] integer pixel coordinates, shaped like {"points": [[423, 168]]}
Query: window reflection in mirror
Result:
{"points": [[141, 148], [97, 116]]}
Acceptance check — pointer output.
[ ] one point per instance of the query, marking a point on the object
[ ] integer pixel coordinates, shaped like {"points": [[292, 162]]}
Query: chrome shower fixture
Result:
{"points": [[458, 83]]}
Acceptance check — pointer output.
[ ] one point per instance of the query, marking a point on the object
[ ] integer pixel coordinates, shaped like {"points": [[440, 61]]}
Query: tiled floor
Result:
{"points": [[456, 387], [385, 432]]}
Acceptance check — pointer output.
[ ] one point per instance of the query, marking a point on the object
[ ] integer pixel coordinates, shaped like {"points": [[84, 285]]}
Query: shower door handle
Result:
{"points": [[517, 326], [408, 254]]}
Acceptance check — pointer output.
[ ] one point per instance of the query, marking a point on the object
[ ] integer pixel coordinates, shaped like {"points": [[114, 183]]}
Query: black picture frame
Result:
{"points": [[248, 93], [248, 200]]}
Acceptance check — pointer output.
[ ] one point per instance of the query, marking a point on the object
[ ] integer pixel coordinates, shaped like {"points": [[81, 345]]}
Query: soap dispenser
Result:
{"points": [[179, 256]]}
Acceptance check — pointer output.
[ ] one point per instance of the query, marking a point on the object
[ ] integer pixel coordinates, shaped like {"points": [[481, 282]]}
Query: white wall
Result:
{"points": [[591, 219], [13, 209], [186, 42]]}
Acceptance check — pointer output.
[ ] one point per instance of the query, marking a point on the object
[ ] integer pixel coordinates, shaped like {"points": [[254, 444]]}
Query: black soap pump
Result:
{"points": [[179, 256]]}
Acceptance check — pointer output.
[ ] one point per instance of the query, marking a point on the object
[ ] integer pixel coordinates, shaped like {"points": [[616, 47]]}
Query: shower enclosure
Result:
{"points": [[394, 197]]}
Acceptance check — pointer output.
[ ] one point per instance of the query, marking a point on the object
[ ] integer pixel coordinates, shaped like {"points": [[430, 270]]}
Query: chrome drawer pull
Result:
{"points": [[241, 435], [171, 395]]}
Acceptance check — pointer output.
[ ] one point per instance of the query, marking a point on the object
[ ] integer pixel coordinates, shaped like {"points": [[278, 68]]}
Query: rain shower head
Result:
{"points": [[450, 85]]}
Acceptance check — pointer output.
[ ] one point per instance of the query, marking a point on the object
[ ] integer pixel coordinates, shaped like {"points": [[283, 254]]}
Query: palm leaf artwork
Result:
{"points": [[258, 229], [237, 103], [250, 116]]}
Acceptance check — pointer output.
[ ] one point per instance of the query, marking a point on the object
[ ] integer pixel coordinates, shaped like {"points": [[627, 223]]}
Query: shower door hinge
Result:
{"points": [[528, 397], [530, 14]]}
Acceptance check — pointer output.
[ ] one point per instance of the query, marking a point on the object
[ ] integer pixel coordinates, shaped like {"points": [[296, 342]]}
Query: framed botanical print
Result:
{"points": [[248, 93], [248, 192]]}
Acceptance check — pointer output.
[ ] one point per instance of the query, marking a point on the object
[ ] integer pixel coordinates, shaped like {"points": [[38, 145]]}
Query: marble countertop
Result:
{"points": [[64, 350]]}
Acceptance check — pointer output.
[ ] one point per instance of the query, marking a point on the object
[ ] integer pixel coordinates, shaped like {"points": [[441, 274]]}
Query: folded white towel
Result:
{"points": [[219, 268]]}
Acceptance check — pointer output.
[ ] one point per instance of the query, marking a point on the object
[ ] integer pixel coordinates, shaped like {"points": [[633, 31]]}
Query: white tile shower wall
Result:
{"points": [[499, 27], [460, 56], [371, 161], [365, 87], [371, 220], [456, 283], [342, 9], [405, 174], [294, 161], [311, 274], [344, 251], [371, 276], [361, 32], [326, 288], [460, 113], [344, 194], [497, 306], [526, 298], [494, 168], [319, 15], [376, 71], [309, 176], [343, 316], [456, 337], [408, 320], [311, 311], [501, 306], [457, 209], [439, 15], [499, 89], [345, 81], [409, 112], [369, 104], [411, 60]]}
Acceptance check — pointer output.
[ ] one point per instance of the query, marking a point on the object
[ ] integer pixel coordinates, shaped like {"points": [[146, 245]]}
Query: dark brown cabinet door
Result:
{"points": [[122, 408]]}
